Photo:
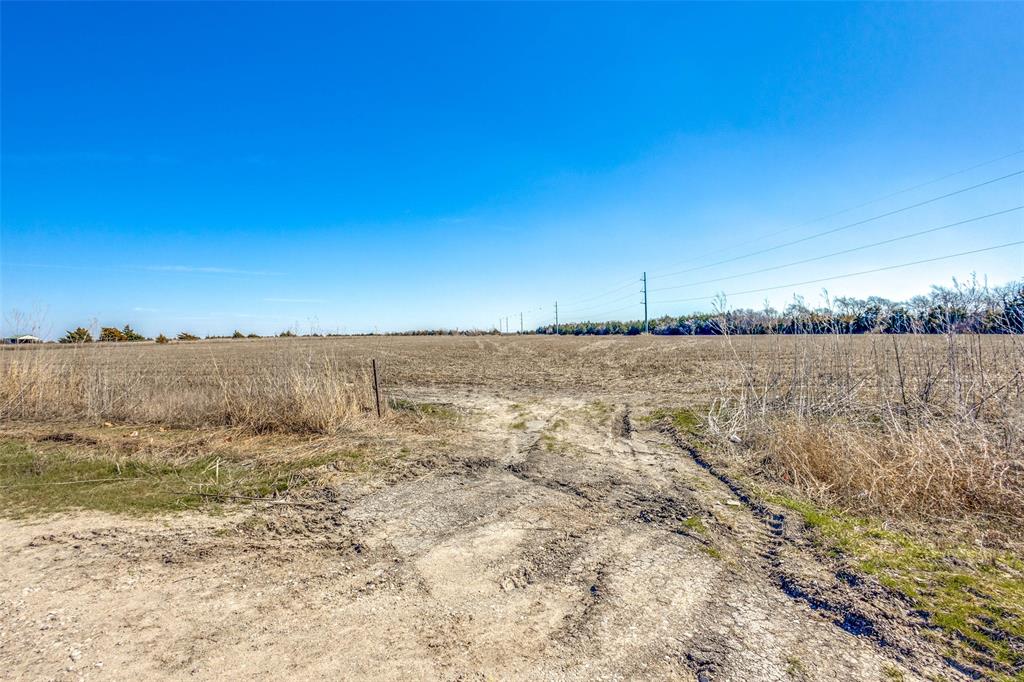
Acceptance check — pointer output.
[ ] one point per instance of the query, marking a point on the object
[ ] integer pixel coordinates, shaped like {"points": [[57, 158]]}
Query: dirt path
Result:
{"points": [[567, 543]]}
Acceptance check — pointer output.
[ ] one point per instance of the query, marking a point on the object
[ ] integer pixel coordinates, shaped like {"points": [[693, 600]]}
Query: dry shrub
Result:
{"points": [[935, 471], [917, 426], [288, 393]]}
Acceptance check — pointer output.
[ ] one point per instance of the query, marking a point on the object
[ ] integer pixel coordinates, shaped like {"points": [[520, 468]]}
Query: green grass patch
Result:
{"points": [[435, 410], [695, 525], [550, 443], [599, 411], [438, 411], [710, 551], [975, 596], [893, 673], [795, 667], [34, 481], [683, 419], [518, 426]]}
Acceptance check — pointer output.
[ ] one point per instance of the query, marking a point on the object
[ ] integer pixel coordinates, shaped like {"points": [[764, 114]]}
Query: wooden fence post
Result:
{"points": [[376, 387]]}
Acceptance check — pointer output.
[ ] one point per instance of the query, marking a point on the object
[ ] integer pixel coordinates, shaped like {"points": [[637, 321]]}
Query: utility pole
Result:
{"points": [[520, 323], [646, 326], [556, 317]]}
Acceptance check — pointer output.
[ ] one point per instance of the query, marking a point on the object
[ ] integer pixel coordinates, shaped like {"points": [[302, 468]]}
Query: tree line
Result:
{"points": [[970, 307], [127, 334], [965, 307]]}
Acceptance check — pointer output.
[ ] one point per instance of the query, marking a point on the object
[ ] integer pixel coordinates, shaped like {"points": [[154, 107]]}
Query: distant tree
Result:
{"points": [[898, 322], [185, 336], [253, 336], [130, 334], [287, 332], [238, 335], [79, 335], [111, 334], [124, 334], [161, 339], [1013, 310]]}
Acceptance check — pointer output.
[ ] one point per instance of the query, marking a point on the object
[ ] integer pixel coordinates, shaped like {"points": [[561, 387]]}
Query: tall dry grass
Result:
{"points": [[896, 425], [285, 392]]}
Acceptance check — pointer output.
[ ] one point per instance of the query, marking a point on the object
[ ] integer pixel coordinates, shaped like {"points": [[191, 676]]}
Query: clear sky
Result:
{"points": [[207, 167]]}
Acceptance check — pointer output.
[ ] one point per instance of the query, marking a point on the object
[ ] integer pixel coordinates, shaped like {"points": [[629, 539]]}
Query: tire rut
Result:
{"points": [[840, 609]]}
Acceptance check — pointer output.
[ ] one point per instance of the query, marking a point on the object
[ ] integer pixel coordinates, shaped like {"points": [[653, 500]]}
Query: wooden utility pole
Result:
{"points": [[556, 317]]}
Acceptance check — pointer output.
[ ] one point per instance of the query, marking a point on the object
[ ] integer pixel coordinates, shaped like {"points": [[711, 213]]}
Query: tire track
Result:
{"points": [[840, 609]]}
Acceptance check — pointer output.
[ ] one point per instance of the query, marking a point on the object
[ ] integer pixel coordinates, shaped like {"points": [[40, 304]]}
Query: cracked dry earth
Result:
{"points": [[566, 543]]}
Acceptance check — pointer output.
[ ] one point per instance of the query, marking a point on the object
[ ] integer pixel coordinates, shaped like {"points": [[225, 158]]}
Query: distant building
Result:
{"points": [[24, 338]]}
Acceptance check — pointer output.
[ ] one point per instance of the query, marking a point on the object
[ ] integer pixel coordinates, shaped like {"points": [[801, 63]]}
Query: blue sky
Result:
{"points": [[207, 167]]}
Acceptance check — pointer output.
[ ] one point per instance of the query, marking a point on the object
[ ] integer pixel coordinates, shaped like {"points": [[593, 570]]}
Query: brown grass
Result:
{"points": [[926, 426], [911, 425], [283, 392]]}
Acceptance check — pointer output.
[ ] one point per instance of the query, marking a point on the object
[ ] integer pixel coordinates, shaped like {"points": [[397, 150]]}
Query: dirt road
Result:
{"points": [[567, 541]]}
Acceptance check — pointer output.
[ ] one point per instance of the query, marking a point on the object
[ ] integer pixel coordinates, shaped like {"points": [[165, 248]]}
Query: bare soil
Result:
{"points": [[561, 539]]}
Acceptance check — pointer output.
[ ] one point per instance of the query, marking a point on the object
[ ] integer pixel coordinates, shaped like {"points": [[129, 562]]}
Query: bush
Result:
{"points": [[185, 336], [111, 334], [162, 339], [238, 335], [287, 333], [125, 334], [130, 334], [79, 335], [253, 336]]}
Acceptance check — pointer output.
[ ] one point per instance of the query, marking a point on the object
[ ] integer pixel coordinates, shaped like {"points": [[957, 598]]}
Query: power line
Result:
{"points": [[602, 295], [601, 316], [807, 223], [598, 315], [854, 208], [849, 274], [839, 253], [583, 312], [844, 227], [525, 311], [603, 303]]}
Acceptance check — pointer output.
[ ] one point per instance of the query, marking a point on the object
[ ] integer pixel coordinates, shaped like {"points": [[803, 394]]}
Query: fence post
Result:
{"points": [[376, 386]]}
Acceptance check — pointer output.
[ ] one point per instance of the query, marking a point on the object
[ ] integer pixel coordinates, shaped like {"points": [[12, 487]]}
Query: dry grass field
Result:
{"points": [[778, 507]]}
